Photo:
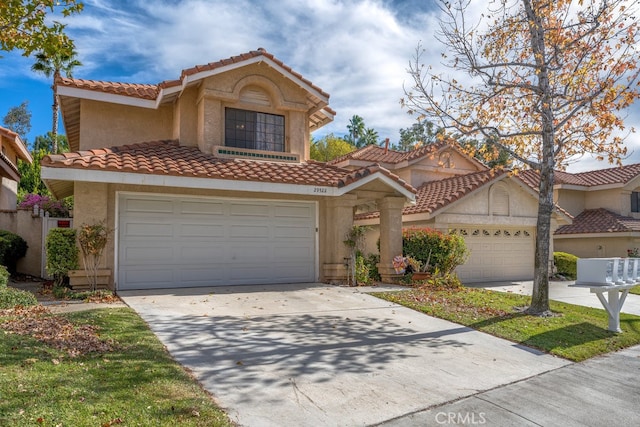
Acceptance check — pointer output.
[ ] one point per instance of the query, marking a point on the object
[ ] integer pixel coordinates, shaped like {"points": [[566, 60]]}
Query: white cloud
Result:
{"points": [[356, 50]]}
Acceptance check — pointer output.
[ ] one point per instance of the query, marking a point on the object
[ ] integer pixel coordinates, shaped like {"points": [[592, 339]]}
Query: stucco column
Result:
{"points": [[390, 236], [339, 223]]}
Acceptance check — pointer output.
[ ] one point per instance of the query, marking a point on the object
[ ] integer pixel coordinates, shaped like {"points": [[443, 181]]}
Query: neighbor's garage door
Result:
{"points": [[167, 241], [497, 254]]}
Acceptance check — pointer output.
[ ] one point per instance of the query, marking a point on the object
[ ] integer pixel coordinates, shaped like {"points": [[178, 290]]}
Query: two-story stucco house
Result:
{"points": [[495, 212], [605, 205], [12, 149], [206, 179]]}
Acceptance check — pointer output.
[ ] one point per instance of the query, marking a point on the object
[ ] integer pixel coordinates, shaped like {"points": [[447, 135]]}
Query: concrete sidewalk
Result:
{"points": [[317, 355], [603, 391]]}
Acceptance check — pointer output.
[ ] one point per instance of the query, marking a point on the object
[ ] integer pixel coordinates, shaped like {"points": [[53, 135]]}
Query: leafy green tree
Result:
{"points": [[423, 132], [26, 25], [18, 120], [45, 142], [330, 147], [54, 63], [30, 181]]}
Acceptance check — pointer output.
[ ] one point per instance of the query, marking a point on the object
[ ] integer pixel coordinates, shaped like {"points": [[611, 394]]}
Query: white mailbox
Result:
{"points": [[600, 271], [632, 270]]}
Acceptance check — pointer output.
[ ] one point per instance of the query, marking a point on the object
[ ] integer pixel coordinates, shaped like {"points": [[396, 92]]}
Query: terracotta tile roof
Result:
{"points": [[170, 158], [617, 175], [599, 221], [377, 154], [435, 195], [151, 91], [142, 91]]}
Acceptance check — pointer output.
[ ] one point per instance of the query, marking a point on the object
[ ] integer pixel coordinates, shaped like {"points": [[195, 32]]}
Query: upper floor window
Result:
{"points": [[254, 130], [635, 201]]}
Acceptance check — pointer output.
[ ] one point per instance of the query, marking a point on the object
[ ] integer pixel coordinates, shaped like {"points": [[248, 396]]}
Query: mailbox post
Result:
{"points": [[615, 276]]}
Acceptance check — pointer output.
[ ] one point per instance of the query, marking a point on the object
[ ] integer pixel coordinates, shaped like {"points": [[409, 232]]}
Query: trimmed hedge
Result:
{"points": [[62, 253], [4, 277], [566, 264], [444, 252], [12, 248]]}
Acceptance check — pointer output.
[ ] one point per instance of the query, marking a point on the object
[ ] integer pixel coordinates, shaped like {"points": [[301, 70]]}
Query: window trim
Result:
{"points": [[269, 119]]}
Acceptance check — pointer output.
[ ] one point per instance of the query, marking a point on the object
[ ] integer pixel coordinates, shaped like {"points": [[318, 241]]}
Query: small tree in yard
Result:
{"points": [[544, 80], [92, 239]]}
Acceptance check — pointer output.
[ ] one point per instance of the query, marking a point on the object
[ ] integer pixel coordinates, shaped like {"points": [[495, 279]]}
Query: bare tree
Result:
{"points": [[545, 80]]}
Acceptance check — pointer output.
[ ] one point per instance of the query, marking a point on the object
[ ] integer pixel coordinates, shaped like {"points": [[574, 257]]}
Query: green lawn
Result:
{"points": [[576, 333], [635, 290], [130, 381]]}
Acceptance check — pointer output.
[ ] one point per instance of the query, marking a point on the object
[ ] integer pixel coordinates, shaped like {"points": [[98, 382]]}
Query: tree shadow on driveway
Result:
{"points": [[271, 350]]}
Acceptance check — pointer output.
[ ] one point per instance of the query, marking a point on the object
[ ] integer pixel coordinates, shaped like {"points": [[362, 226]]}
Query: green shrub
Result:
{"points": [[10, 297], [12, 248], [362, 270], [62, 253], [4, 277], [440, 251], [566, 264], [372, 261]]}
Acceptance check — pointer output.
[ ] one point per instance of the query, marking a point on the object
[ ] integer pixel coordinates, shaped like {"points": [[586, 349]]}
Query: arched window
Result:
{"points": [[444, 159], [499, 200]]}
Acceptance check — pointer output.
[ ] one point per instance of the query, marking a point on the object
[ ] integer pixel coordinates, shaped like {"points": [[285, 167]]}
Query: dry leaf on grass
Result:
{"points": [[55, 331]]}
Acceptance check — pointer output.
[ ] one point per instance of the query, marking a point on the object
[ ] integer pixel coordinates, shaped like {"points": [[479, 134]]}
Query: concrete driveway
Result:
{"points": [[317, 355]]}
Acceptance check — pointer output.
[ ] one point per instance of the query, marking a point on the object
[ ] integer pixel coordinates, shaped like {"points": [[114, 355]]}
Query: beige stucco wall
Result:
{"points": [[282, 96], [597, 246], [107, 125], [573, 201], [185, 118], [612, 200], [8, 194]]}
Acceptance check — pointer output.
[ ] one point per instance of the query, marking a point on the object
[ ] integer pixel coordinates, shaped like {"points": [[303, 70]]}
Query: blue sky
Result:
{"points": [[356, 50]]}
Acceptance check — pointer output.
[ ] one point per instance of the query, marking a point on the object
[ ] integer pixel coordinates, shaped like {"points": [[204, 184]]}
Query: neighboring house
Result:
{"points": [[494, 211], [206, 179], [605, 205], [12, 149]]}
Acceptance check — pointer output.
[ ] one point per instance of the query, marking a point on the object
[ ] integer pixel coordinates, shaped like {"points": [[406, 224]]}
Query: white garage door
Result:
{"points": [[497, 254], [167, 241]]}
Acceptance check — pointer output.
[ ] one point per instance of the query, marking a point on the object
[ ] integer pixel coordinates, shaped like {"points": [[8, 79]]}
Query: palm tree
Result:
{"points": [[356, 129], [55, 64]]}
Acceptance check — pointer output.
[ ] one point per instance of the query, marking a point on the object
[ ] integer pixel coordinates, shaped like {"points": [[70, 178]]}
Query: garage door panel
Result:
{"points": [[249, 231], [497, 254], [248, 209], [147, 205], [182, 241], [201, 208], [292, 232], [201, 230], [288, 212], [147, 255], [145, 229], [201, 254]]}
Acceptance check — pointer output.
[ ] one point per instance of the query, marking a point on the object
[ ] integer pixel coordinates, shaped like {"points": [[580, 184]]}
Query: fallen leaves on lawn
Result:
{"points": [[56, 331]]}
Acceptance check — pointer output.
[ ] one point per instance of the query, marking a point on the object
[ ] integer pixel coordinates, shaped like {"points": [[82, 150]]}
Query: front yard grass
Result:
{"points": [[576, 333], [100, 368], [635, 290]]}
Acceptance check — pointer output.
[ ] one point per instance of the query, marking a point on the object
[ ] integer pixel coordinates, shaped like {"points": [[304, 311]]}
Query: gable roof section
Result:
{"points": [[599, 221], [377, 154], [169, 159], [620, 175], [435, 195], [152, 95], [8, 168]]}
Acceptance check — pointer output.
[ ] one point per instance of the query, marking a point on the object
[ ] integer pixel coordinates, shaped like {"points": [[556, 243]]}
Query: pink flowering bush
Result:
{"points": [[55, 208]]}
